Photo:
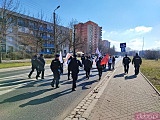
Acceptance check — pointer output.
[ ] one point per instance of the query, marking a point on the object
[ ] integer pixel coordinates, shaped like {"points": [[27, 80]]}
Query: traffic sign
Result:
{"points": [[122, 45], [123, 49]]}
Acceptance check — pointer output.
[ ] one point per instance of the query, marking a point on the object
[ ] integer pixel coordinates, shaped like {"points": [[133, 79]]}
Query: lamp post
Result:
{"points": [[74, 40], [54, 32]]}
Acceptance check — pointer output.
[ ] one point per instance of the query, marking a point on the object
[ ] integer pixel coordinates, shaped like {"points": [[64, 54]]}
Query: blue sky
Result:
{"points": [[128, 21]]}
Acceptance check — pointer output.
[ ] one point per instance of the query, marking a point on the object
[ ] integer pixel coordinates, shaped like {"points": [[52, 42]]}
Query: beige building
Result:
{"points": [[90, 35], [33, 35]]}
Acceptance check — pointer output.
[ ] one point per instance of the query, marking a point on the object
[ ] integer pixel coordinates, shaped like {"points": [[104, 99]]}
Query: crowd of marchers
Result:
{"points": [[86, 62]]}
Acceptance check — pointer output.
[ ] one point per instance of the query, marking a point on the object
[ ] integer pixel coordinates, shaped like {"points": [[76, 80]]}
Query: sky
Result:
{"points": [[135, 22]]}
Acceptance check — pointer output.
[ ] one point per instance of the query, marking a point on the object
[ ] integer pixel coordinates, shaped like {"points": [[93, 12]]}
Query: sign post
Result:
{"points": [[123, 47]]}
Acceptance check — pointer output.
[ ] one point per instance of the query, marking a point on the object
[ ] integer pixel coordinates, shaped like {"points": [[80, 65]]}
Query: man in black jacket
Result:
{"points": [[41, 64], [69, 66], [34, 62], [126, 61], [56, 69], [82, 59], [74, 65], [99, 67], [137, 61], [87, 66]]}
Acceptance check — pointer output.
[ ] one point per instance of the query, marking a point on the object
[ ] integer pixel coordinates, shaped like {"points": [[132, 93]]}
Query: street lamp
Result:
{"points": [[74, 41], [54, 32]]}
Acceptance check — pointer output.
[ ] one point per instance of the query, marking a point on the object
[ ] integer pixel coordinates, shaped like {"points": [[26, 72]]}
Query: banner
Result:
{"points": [[66, 59], [60, 57], [97, 52], [105, 60]]}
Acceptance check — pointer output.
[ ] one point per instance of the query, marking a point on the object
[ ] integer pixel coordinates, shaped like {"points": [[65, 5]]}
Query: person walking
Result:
{"points": [[87, 66], [56, 69], [113, 62], [126, 61], [41, 64], [82, 59], [69, 66], [137, 61], [74, 65], [99, 67], [109, 63], [34, 62]]}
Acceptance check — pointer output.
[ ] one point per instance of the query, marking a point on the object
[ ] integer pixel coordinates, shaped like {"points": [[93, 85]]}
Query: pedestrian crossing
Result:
{"points": [[11, 83], [8, 84]]}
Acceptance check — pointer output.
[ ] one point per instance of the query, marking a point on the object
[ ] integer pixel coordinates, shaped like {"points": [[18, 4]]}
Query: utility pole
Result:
{"points": [[54, 31], [74, 40]]}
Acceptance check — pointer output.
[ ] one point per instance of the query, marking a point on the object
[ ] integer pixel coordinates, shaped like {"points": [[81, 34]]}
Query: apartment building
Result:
{"points": [[106, 43], [91, 36], [33, 35]]}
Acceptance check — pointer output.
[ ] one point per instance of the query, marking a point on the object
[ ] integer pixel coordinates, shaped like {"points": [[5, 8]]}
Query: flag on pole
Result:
{"points": [[105, 60], [66, 59], [97, 52], [60, 57]]}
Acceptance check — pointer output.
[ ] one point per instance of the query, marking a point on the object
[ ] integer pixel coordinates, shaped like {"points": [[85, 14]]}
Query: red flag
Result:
{"points": [[105, 60]]}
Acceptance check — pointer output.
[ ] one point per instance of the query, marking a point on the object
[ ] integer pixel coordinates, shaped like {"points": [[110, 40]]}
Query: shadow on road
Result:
{"points": [[85, 84], [25, 96], [119, 75], [130, 77], [47, 98]]}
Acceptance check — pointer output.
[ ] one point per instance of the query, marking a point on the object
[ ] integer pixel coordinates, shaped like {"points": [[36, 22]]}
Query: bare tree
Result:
{"points": [[75, 40], [7, 9]]}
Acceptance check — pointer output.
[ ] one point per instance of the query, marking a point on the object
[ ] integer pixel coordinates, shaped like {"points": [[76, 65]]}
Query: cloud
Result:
{"points": [[140, 29], [132, 36], [134, 44]]}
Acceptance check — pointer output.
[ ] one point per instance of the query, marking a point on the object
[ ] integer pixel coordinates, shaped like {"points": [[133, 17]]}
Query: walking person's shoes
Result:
{"points": [[68, 78], [52, 84], [99, 78], [37, 77], [73, 89], [42, 77], [29, 76], [57, 86]]}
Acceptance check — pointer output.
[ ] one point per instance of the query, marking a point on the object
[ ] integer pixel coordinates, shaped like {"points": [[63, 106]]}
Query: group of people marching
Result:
{"points": [[56, 67], [137, 61], [38, 63]]}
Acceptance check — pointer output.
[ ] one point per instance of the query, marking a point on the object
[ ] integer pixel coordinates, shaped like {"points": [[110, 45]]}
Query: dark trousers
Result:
{"points": [[100, 73], [33, 68], [40, 72], [56, 78], [62, 68], [87, 73], [109, 66], [136, 69], [74, 77], [69, 74], [126, 68]]}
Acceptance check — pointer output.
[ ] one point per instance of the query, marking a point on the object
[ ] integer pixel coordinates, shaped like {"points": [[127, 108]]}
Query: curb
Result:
{"points": [[85, 107], [151, 84]]}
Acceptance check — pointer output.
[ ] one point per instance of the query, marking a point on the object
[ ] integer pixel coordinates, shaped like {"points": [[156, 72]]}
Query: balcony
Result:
{"points": [[44, 37], [48, 45]]}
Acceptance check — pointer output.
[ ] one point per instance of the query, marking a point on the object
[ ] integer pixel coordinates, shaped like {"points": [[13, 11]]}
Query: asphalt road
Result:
{"points": [[30, 99]]}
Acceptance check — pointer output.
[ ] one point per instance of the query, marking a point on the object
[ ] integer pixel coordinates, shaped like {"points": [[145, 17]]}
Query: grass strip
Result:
{"points": [[151, 69]]}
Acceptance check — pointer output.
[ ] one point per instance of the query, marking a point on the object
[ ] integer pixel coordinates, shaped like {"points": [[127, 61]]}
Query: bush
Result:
{"points": [[49, 56], [151, 54]]}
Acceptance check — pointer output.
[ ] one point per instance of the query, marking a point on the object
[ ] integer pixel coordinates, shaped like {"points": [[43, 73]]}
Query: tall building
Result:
{"points": [[90, 36], [106, 43], [32, 34]]}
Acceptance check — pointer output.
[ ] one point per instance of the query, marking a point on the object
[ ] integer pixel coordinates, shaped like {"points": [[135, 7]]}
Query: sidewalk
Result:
{"points": [[124, 96], [119, 97]]}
